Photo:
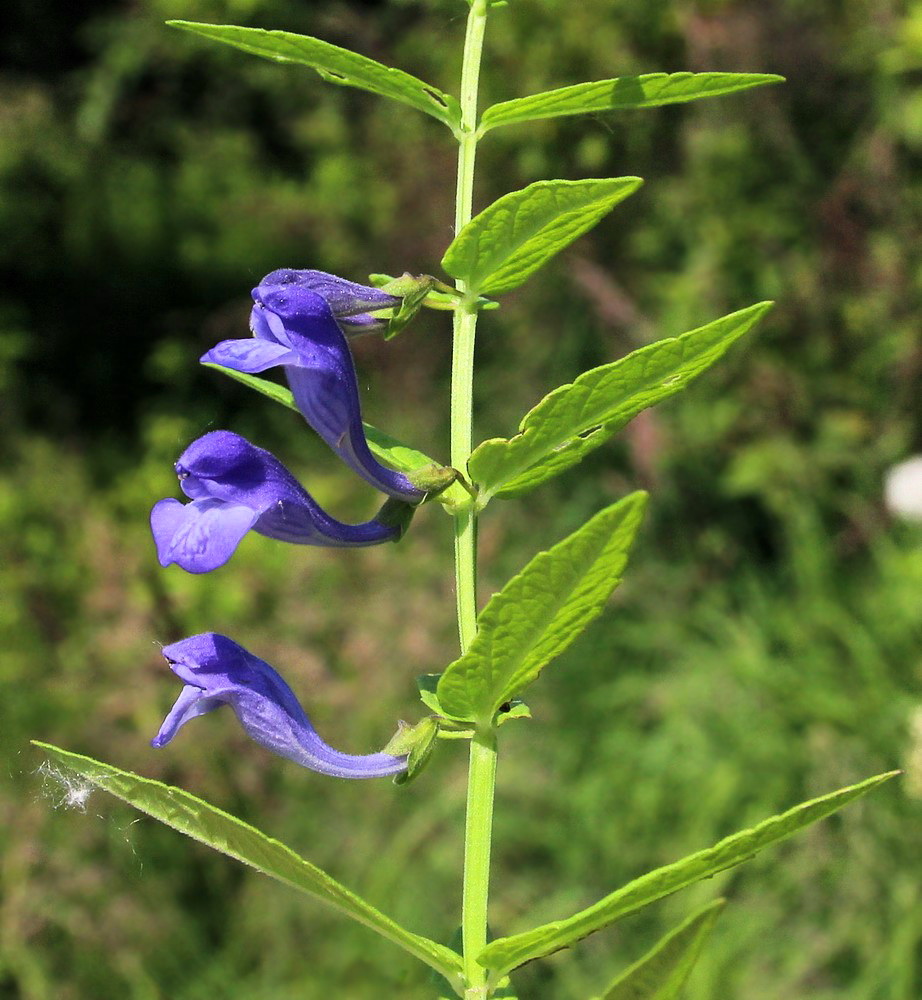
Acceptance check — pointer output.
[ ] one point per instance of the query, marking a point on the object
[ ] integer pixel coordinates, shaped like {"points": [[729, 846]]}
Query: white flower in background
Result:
{"points": [[903, 489]]}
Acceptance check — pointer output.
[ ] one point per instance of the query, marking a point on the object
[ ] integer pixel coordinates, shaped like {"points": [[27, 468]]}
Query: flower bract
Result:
{"points": [[235, 487], [217, 671]]}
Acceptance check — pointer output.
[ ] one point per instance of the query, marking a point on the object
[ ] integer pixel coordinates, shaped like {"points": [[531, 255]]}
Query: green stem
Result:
{"points": [[482, 774], [462, 384], [465, 326], [478, 837]]}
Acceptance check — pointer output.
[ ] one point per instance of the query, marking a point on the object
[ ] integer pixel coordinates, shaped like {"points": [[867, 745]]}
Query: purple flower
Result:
{"points": [[349, 301], [235, 487], [298, 322], [216, 671]]}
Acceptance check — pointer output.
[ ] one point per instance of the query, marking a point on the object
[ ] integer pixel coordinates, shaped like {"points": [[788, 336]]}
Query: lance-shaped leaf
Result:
{"points": [[225, 833], [540, 612], [508, 241], [648, 91], [334, 64], [578, 417], [505, 954], [664, 970]]}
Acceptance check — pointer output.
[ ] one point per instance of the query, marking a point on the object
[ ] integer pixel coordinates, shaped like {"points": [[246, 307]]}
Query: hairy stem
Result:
{"points": [[481, 777]]}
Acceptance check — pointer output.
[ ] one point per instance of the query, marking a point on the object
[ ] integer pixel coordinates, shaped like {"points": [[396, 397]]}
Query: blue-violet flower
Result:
{"points": [[297, 322], [217, 671], [235, 487]]}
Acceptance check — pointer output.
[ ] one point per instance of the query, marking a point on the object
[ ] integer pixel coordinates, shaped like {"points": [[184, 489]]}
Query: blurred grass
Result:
{"points": [[765, 646]]}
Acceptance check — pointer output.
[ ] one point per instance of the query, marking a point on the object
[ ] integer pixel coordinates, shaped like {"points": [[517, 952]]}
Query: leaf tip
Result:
{"points": [[887, 775], [760, 309], [637, 500]]}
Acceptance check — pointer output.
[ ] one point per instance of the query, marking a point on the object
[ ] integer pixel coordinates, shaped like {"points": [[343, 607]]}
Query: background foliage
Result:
{"points": [[765, 644]]}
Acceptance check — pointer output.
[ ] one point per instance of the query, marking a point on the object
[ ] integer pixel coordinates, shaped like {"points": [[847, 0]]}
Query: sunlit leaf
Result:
{"points": [[508, 241], [231, 836], [334, 64], [505, 954], [648, 91], [539, 613], [578, 417]]}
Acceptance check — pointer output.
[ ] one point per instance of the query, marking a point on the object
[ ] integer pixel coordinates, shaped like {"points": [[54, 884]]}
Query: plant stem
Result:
{"points": [[465, 518], [465, 326], [482, 773], [477, 843]]}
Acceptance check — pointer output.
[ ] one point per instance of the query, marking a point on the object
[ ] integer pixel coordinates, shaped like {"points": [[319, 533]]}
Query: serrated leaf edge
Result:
{"points": [[630, 508], [757, 311]]}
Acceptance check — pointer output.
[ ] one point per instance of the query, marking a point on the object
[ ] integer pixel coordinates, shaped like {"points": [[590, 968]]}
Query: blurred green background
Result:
{"points": [[765, 646]]}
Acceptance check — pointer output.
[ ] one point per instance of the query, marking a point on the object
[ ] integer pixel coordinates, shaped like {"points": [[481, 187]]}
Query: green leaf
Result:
{"points": [[648, 91], [229, 835], [540, 612], [509, 711], [396, 454], [663, 971], [578, 417], [428, 695], [505, 954], [335, 65], [508, 241]]}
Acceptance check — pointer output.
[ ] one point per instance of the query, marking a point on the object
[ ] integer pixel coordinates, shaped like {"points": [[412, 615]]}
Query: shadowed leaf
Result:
{"points": [[664, 970]]}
